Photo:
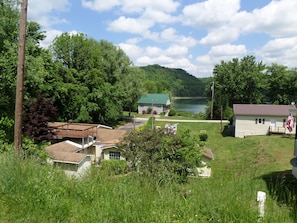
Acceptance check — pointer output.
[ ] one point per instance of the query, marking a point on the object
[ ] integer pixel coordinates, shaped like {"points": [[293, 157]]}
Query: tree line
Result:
{"points": [[247, 81]]}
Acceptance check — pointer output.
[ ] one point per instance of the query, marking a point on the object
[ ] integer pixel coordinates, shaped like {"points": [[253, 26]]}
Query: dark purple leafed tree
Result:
{"points": [[37, 113]]}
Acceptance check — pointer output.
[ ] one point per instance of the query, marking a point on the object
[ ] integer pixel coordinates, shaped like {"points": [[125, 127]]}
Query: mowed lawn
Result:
{"points": [[30, 192]]}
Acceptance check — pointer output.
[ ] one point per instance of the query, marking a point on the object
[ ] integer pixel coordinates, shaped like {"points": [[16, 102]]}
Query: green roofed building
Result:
{"points": [[156, 103]]}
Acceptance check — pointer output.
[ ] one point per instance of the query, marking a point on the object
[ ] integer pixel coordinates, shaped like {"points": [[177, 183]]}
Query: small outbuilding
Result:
{"points": [[207, 157], [157, 103], [262, 119]]}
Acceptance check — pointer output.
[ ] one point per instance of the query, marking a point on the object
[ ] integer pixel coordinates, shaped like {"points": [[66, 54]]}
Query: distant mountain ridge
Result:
{"points": [[179, 82]]}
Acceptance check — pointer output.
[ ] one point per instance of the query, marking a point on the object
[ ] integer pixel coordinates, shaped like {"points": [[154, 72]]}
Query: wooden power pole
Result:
{"points": [[20, 80]]}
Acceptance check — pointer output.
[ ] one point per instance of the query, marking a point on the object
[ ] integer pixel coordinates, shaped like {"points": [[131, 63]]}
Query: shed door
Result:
{"points": [[272, 124]]}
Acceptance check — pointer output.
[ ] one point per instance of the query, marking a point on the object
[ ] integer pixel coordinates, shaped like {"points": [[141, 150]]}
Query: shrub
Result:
{"points": [[203, 137], [149, 110], [143, 112], [155, 112], [172, 112]]}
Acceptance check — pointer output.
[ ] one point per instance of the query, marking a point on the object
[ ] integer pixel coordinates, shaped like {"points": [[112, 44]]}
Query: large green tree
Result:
{"points": [[93, 81], [282, 84], [36, 60], [238, 81]]}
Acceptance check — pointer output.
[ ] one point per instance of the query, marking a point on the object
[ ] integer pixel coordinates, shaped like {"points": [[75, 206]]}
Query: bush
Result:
{"points": [[149, 110], [203, 137], [114, 167], [172, 112], [143, 112]]}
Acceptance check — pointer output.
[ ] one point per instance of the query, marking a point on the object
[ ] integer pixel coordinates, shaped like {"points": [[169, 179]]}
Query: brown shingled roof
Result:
{"points": [[64, 157], [110, 136], [65, 152], [73, 130], [262, 109]]}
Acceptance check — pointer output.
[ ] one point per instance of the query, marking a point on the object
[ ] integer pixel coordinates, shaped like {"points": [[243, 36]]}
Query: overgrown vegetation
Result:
{"points": [[160, 156], [34, 192]]}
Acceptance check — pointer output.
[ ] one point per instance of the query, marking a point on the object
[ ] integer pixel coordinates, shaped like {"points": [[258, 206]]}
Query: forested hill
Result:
{"points": [[160, 79]]}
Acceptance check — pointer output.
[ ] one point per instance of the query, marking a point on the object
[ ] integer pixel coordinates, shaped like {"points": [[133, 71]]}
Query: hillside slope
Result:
{"points": [[177, 81]]}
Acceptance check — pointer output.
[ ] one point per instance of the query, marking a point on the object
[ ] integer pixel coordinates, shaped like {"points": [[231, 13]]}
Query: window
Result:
{"points": [[114, 155], [260, 120]]}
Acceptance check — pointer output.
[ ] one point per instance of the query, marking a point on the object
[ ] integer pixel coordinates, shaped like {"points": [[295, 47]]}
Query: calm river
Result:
{"points": [[194, 105]]}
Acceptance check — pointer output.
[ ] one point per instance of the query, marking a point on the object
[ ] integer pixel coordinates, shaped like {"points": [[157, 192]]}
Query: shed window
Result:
{"points": [[260, 120], [114, 155]]}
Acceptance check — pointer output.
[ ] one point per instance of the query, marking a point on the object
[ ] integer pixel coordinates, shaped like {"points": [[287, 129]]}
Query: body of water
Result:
{"points": [[193, 105]]}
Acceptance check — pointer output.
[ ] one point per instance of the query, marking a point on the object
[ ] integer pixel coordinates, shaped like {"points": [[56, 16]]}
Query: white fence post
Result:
{"points": [[261, 197]]}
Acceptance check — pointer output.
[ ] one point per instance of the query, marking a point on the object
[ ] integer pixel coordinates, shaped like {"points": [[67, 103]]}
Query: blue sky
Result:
{"points": [[188, 34]]}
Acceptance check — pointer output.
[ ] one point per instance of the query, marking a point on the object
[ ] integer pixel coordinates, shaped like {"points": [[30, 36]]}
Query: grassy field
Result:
{"points": [[30, 192]]}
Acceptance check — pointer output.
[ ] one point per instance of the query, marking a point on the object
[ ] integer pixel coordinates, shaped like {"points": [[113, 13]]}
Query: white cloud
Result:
{"points": [[228, 51], [220, 36], [130, 25], [177, 51], [275, 19], [210, 14], [158, 16], [42, 11], [50, 36], [217, 54], [99, 5], [131, 6], [132, 50], [281, 51]]}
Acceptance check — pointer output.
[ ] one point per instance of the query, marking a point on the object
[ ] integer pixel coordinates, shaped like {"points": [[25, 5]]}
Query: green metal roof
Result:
{"points": [[154, 99]]}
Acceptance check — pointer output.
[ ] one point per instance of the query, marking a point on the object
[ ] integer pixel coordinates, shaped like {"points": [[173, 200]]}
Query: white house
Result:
{"points": [[78, 145], [159, 103], [261, 119], [105, 146], [67, 156]]}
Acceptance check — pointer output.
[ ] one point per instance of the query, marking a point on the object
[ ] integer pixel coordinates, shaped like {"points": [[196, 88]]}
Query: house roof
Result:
{"points": [[65, 152], [262, 109], [162, 99], [110, 136], [73, 130]]}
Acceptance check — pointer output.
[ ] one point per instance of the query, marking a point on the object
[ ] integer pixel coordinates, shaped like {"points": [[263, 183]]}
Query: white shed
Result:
{"points": [[261, 119]]}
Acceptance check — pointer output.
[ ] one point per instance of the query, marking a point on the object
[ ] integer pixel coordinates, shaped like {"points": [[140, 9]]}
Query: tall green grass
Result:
{"points": [[34, 192]]}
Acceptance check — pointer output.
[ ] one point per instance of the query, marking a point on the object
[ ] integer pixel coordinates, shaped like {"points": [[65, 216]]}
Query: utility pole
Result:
{"points": [[212, 98], [20, 80]]}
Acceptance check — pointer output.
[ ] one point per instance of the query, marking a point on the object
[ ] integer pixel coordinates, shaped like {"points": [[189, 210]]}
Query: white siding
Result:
{"points": [[246, 125], [158, 108], [77, 170]]}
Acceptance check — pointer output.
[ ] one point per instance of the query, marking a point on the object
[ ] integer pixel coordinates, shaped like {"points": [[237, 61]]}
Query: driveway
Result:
{"points": [[136, 122]]}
